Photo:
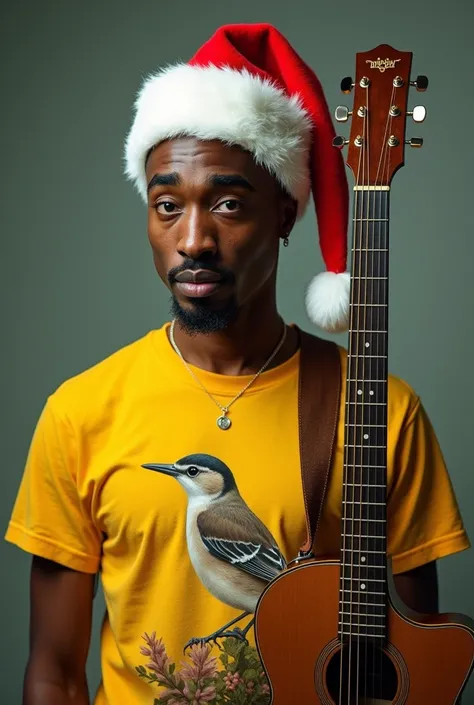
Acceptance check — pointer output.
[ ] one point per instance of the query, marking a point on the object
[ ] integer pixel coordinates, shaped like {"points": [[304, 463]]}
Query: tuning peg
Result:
{"points": [[418, 113], [415, 142], [421, 83], [339, 142], [342, 113], [347, 84]]}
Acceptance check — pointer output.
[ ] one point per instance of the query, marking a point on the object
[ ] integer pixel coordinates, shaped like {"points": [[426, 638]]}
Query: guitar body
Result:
{"points": [[426, 661]]}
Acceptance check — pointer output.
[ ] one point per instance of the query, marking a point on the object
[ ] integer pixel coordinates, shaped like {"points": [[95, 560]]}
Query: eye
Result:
{"points": [[192, 471], [166, 207], [231, 205]]}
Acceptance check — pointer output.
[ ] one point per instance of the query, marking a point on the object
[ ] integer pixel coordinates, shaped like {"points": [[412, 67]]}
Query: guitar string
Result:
{"points": [[382, 287], [350, 386], [358, 414], [365, 327], [360, 351]]}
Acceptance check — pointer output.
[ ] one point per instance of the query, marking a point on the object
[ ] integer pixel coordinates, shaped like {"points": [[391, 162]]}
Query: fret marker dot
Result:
{"points": [[367, 345], [363, 559], [363, 586], [359, 391], [366, 435], [371, 392]]}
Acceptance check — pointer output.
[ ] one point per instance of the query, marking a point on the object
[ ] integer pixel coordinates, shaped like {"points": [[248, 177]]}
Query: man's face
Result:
{"points": [[214, 223]]}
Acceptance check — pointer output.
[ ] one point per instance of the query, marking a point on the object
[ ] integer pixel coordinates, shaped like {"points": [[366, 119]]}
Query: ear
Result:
{"points": [[289, 210]]}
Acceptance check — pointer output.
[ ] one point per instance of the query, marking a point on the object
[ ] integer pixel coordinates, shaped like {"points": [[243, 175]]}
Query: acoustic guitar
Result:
{"points": [[334, 632]]}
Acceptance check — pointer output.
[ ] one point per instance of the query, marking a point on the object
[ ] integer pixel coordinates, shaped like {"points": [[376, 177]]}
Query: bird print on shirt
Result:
{"points": [[233, 553]]}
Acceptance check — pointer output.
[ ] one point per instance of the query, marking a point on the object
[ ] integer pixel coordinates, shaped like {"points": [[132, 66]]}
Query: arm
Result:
{"points": [[418, 588], [60, 629]]}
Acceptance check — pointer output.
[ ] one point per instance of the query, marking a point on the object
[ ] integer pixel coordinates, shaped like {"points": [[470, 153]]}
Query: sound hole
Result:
{"points": [[368, 675]]}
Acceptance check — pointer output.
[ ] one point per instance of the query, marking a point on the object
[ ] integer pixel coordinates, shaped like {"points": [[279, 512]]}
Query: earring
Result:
{"points": [[286, 242]]}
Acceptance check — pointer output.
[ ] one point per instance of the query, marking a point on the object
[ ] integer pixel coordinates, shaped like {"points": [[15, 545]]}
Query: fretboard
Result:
{"points": [[362, 605]]}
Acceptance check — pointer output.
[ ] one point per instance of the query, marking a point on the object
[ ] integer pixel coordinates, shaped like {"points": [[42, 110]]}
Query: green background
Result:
{"points": [[77, 280]]}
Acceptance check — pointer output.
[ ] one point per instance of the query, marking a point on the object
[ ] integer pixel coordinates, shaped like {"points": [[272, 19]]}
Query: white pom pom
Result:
{"points": [[327, 301]]}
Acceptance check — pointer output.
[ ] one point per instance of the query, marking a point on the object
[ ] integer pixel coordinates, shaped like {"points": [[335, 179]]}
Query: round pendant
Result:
{"points": [[224, 423]]}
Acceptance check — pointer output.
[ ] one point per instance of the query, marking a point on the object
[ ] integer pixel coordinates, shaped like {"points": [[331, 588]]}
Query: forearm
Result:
{"points": [[41, 689]]}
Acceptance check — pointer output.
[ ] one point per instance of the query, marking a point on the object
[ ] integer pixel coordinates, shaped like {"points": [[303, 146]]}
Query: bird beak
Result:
{"points": [[165, 469]]}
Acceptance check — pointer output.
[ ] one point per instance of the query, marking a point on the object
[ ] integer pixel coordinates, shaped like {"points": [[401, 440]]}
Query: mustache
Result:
{"points": [[193, 265]]}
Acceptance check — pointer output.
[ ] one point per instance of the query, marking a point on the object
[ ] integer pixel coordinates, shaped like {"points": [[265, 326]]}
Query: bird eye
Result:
{"points": [[192, 471]]}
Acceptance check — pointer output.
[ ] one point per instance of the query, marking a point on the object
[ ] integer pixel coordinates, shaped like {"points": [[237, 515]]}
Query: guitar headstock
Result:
{"points": [[379, 114]]}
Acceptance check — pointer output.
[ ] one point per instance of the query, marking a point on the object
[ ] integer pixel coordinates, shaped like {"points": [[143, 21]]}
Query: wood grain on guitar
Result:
{"points": [[334, 632]]}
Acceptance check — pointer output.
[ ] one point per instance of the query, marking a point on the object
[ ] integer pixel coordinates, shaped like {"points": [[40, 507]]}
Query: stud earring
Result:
{"points": [[286, 241]]}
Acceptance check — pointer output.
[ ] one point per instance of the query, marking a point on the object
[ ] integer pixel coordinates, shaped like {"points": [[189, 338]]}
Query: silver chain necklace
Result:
{"points": [[223, 421]]}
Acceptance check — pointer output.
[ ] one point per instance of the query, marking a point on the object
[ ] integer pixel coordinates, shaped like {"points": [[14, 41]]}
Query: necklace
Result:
{"points": [[223, 421]]}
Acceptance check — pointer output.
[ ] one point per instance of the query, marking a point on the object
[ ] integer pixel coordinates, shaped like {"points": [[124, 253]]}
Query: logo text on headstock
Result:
{"points": [[382, 64]]}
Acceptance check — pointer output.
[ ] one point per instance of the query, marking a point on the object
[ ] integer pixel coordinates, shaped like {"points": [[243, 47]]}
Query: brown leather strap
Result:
{"points": [[318, 411]]}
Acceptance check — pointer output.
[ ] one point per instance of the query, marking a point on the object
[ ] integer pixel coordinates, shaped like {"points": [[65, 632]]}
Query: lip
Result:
{"points": [[200, 276], [197, 290]]}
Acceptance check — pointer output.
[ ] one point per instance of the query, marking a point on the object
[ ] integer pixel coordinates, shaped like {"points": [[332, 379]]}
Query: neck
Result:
{"points": [[243, 347]]}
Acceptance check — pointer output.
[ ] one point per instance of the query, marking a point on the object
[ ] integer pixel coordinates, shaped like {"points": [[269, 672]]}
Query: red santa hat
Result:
{"points": [[248, 87]]}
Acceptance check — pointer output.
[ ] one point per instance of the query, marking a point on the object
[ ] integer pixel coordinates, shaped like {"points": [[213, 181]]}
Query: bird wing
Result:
{"points": [[235, 535]]}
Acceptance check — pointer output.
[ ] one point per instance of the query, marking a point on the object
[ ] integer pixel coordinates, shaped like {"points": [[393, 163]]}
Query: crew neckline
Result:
{"points": [[215, 383]]}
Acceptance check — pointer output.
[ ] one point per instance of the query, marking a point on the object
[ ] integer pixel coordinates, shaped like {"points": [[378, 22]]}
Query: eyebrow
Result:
{"points": [[235, 180], [226, 180], [172, 179]]}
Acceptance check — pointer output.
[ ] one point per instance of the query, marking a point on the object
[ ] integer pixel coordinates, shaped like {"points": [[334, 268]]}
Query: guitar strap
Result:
{"points": [[319, 390]]}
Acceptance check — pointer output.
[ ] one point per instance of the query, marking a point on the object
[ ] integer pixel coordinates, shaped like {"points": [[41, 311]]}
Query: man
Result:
{"points": [[173, 466]]}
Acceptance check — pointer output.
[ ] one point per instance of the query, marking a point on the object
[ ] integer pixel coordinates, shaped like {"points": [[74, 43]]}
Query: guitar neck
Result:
{"points": [[363, 552]]}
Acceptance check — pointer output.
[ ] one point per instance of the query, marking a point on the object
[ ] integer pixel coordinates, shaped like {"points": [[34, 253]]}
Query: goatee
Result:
{"points": [[203, 319]]}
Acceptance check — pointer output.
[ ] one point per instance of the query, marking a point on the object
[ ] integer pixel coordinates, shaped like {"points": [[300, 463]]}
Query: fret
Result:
{"points": [[372, 626], [367, 615], [371, 636], [365, 356], [354, 457], [363, 543], [366, 414], [366, 580], [364, 346], [364, 381], [372, 249], [374, 285], [366, 604], [349, 535], [356, 476], [367, 403], [371, 203], [369, 263], [362, 592], [370, 317], [380, 504], [368, 447], [347, 519]]}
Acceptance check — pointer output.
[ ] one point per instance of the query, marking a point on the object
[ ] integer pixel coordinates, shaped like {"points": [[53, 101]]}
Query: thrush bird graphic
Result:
{"points": [[233, 553]]}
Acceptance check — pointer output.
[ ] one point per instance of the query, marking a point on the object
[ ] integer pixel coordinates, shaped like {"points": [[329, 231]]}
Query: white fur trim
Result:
{"points": [[327, 301], [221, 103]]}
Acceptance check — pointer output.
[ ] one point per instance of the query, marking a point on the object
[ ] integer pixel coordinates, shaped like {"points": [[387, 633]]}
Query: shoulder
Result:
{"points": [[103, 384]]}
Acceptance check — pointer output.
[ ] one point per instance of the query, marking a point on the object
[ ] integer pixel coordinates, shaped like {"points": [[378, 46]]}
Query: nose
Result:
{"points": [[197, 235]]}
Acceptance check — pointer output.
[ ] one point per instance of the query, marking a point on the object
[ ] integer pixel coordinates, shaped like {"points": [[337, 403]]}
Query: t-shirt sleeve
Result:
{"points": [[424, 521], [51, 517]]}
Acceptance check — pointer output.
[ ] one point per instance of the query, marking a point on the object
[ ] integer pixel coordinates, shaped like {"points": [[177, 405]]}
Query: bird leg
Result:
{"points": [[238, 633], [222, 632]]}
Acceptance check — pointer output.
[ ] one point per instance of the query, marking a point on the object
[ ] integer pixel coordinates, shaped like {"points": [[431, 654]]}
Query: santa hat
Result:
{"points": [[248, 87]]}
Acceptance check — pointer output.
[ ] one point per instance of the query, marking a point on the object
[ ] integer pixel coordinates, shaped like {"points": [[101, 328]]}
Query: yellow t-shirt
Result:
{"points": [[85, 501]]}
